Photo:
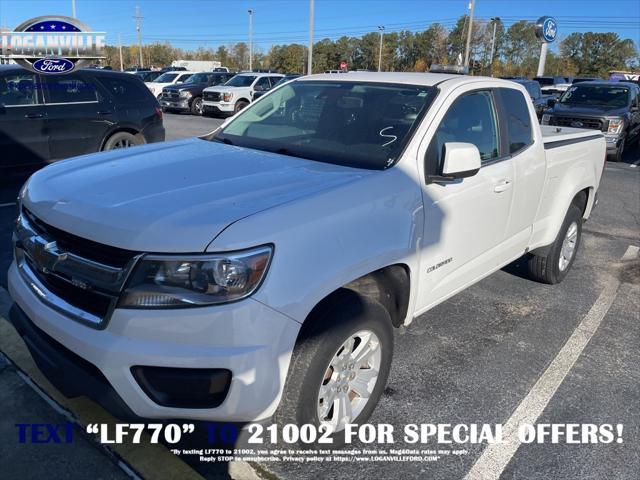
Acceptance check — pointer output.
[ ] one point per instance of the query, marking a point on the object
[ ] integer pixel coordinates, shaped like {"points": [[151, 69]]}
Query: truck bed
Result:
{"points": [[553, 136]]}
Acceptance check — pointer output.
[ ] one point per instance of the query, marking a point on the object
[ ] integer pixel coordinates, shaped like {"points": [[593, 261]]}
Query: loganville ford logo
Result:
{"points": [[547, 29], [52, 45], [577, 124]]}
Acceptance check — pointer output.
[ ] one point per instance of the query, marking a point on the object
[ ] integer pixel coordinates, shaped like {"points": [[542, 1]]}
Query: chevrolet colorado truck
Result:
{"points": [[258, 273]]}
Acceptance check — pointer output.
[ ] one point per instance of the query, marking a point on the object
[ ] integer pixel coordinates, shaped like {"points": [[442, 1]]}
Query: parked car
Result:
{"points": [[535, 92], [260, 272], [285, 79], [171, 68], [610, 107], [81, 112], [187, 96], [575, 80], [147, 77], [553, 85], [135, 69], [237, 93], [166, 79]]}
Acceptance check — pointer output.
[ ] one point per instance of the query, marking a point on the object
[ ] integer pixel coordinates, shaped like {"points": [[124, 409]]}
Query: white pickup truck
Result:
{"points": [[258, 273], [237, 93]]}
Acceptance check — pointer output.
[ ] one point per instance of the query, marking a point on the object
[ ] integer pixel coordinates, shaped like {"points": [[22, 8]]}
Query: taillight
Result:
{"points": [[159, 113]]}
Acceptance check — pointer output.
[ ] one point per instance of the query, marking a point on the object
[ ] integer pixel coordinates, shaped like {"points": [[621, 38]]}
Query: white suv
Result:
{"points": [[166, 79], [237, 93]]}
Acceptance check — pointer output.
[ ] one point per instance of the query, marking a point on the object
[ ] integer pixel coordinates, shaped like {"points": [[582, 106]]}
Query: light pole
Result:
{"points": [[381, 28], [73, 8], [493, 44], [310, 54], [467, 51], [250, 39], [139, 30]]}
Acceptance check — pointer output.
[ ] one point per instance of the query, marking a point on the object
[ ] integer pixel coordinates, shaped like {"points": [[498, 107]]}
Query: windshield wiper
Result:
{"points": [[289, 153], [226, 141]]}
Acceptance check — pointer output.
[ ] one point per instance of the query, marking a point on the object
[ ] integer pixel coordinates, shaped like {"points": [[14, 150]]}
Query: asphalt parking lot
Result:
{"points": [[483, 357]]}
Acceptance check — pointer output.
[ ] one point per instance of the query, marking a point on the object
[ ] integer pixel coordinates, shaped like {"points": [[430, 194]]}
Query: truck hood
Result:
{"points": [[223, 89], [171, 197], [595, 111]]}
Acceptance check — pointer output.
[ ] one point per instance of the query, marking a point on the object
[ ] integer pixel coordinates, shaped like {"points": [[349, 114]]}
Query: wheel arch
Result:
{"points": [[390, 286]]}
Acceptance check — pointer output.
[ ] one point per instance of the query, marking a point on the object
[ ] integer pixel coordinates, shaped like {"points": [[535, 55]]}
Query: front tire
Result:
{"points": [[617, 157], [197, 106], [340, 365], [240, 105], [554, 266]]}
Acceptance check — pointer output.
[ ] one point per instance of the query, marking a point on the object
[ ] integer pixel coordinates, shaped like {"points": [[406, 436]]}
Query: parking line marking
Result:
{"points": [[497, 456], [11, 204], [631, 253]]}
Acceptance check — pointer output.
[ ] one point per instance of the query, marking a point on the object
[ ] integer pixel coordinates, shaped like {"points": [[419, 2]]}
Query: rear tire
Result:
{"points": [[552, 267], [121, 140], [323, 377]]}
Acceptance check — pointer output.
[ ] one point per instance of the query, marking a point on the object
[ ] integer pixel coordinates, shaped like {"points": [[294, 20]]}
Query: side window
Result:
{"points": [[18, 89], [262, 84], [518, 119], [471, 119], [70, 89], [124, 89]]}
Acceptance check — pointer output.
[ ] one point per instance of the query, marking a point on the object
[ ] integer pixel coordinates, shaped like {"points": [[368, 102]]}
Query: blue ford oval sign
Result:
{"points": [[547, 29], [53, 65], [52, 45]]}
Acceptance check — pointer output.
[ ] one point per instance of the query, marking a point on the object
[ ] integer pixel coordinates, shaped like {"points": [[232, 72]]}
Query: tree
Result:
{"points": [[521, 49], [595, 54]]}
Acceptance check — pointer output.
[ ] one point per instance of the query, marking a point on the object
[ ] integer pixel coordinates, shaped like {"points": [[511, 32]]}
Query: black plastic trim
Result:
{"points": [[570, 141]]}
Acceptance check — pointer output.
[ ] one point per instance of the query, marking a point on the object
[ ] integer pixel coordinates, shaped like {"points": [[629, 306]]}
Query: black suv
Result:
{"points": [[187, 96], [611, 107], [50, 117]]}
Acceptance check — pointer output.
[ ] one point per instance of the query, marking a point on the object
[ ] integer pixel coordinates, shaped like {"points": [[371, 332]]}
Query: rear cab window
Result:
{"points": [[517, 121]]}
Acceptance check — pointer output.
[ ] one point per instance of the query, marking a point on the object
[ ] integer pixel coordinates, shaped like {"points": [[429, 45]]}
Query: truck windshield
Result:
{"points": [[241, 81], [166, 77], [597, 95], [363, 125]]}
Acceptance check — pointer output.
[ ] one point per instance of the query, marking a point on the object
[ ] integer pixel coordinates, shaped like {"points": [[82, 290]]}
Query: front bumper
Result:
{"points": [[175, 104], [248, 338], [218, 107]]}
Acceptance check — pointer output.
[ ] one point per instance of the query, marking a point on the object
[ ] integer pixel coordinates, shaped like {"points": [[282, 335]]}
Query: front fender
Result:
{"points": [[328, 239]]}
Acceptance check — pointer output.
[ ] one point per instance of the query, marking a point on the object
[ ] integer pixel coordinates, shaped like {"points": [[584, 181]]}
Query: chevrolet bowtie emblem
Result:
{"points": [[45, 254]]}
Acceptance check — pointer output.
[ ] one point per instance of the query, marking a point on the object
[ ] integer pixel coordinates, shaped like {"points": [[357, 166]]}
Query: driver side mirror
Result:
{"points": [[259, 88], [461, 160]]}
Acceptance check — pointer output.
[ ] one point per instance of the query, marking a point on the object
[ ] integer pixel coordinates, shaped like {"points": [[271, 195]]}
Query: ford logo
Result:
{"points": [[53, 65], [577, 124]]}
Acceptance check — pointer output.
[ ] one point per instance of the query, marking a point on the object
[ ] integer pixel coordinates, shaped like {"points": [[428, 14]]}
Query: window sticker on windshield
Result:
{"points": [[423, 94]]}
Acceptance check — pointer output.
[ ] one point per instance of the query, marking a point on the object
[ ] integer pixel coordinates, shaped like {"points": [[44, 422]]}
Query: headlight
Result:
{"points": [[545, 119], [168, 281], [227, 96], [185, 93], [615, 126]]}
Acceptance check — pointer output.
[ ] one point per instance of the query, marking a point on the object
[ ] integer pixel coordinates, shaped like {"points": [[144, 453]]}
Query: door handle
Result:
{"points": [[34, 115], [105, 112], [502, 185]]}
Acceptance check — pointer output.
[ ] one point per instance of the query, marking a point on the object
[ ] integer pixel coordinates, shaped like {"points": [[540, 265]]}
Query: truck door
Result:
{"points": [[528, 158], [465, 219]]}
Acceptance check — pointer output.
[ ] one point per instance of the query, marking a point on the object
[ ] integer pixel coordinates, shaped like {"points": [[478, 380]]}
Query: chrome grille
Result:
{"points": [[170, 95], [68, 273]]}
